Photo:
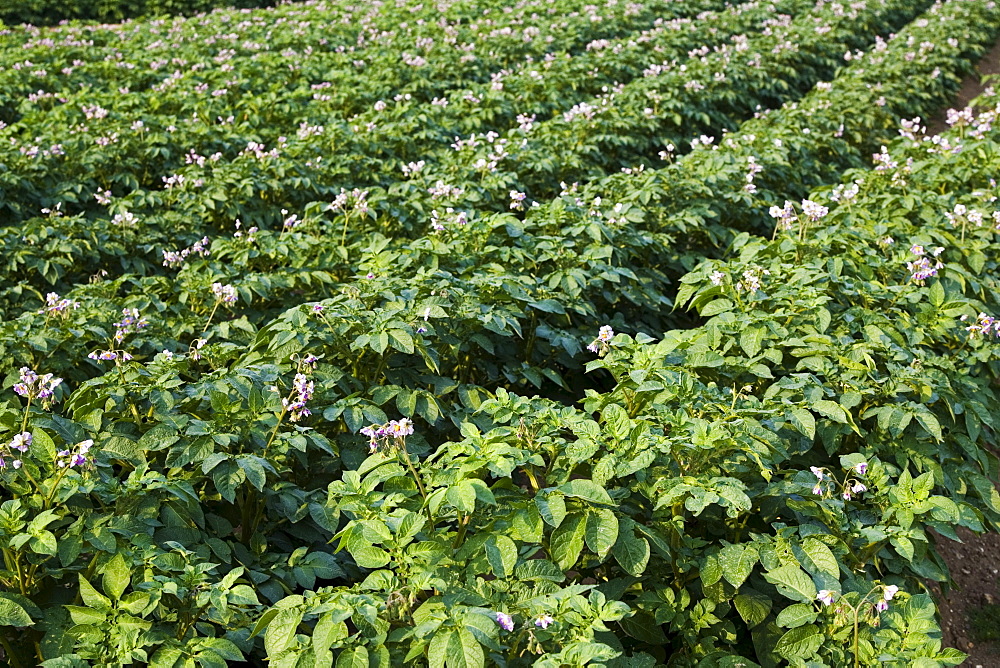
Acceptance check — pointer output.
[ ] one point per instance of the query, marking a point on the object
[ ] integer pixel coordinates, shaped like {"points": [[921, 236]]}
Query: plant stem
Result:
{"points": [[284, 411], [11, 656], [24, 420], [210, 316], [416, 477]]}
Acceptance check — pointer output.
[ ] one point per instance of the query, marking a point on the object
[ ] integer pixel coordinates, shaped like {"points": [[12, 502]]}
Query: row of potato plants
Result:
{"points": [[213, 492], [277, 267], [48, 12], [157, 153], [159, 217], [338, 59]]}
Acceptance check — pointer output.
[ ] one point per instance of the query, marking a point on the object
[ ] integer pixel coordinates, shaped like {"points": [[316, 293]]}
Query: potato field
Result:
{"points": [[464, 333]]}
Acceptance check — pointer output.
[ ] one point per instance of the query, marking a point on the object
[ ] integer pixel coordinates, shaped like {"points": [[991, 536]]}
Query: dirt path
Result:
{"points": [[971, 87], [971, 612]]}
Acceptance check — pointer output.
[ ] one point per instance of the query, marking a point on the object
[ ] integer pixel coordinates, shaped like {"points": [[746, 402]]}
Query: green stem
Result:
{"points": [[24, 420], [284, 411], [416, 477], [9, 651], [210, 316], [343, 236]]}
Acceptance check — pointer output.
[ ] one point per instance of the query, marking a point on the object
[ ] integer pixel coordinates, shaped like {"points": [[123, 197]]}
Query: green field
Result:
{"points": [[467, 333]]}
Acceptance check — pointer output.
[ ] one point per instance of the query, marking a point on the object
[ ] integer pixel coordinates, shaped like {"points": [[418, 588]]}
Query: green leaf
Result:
{"points": [[588, 490], [753, 606], [929, 422], [737, 563], [799, 643], [401, 341], [12, 614], [92, 597], [797, 615], [631, 552], [830, 409], [354, 657], [501, 552], [793, 582], [751, 339], [820, 558], [254, 470], [462, 496], [936, 293], [552, 508], [464, 651], [602, 531], [716, 307], [117, 576], [566, 542], [81, 615], [281, 631], [804, 422], [455, 648]]}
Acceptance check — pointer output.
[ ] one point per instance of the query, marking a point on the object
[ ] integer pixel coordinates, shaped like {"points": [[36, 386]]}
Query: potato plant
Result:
{"points": [[654, 333]]}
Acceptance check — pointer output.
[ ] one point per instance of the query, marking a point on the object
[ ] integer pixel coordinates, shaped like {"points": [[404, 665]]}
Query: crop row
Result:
{"points": [[568, 241], [48, 12], [371, 53], [654, 519], [246, 187]]}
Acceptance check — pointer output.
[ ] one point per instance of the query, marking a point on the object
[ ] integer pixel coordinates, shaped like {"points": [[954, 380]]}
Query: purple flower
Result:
{"points": [[34, 386], [505, 621], [302, 391], [544, 621], [400, 429], [21, 441], [825, 596], [817, 490], [818, 472], [858, 487], [882, 606], [224, 293], [76, 457], [861, 468]]}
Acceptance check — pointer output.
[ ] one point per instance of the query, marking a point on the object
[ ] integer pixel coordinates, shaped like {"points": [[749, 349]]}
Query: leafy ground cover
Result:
{"points": [[387, 338]]}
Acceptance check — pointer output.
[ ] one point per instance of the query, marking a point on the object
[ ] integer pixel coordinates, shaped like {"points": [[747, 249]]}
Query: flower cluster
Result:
{"points": [[32, 386], [752, 280], [58, 306], [302, 391], [125, 219], [753, 169], [517, 200], [110, 355], [176, 258], [983, 326], [75, 457], [21, 442], [784, 215], [922, 267], [602, 344], [249, 236], [130, 323], [388, 435], [886, 594], [506, 622], [224, 293], [814, 210], [826, 482]]}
